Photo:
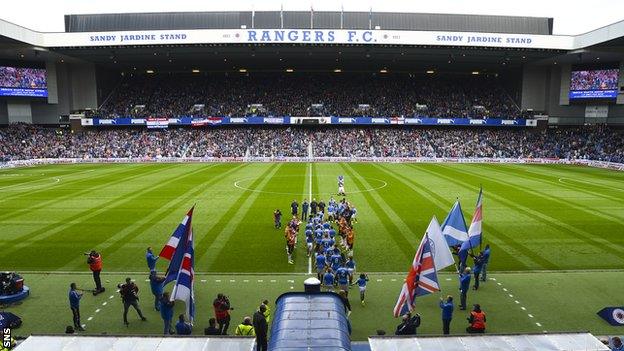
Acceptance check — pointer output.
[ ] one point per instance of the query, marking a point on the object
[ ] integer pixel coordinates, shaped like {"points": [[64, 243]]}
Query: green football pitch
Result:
{"points": [[557, 237]]}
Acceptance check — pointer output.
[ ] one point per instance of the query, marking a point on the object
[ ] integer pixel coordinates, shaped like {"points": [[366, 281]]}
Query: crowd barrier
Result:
{"points": [[49, 161]]}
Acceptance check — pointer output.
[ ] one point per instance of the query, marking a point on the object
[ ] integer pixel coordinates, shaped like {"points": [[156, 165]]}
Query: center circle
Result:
{"points": [[243, 184]]}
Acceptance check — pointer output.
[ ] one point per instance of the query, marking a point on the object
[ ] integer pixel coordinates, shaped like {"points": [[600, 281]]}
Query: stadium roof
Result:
{"points": [[369, 41], [308, 20]]}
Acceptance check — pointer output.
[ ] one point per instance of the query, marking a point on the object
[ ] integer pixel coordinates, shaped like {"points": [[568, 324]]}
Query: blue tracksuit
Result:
{"points": [[151, 260], [464, 285]]}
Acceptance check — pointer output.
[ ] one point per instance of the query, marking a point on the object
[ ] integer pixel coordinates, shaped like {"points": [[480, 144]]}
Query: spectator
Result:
{"points": [[616, 344], [182, 327], [212, 328], [447, 313]]}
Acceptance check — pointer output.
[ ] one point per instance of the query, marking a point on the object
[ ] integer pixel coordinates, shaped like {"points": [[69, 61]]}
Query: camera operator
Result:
{"points": [[129, 295], [94, 260], [222, 312]]}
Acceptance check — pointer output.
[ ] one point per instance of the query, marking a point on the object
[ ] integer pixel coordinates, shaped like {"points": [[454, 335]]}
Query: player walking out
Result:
{"points": [[291, 237], [277, 218], [341, 190], [361, 283]]}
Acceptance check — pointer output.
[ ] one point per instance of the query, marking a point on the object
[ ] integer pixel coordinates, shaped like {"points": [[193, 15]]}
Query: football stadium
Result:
{"points": [[311, 180]]}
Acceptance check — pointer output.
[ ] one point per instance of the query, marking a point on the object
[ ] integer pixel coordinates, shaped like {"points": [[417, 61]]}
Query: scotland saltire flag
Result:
{"points": [[422, 279], [454, 226], [170, 251], [183, 289], [474, 232]]}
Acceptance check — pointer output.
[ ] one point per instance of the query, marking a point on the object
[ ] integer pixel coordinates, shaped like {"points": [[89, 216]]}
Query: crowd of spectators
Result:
{"points": [[594, 80], [17, 77], [309, 95], [21, 141]]}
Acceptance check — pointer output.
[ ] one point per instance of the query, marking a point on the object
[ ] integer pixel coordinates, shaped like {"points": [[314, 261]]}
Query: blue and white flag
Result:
{"points": [[183, 289], [454, 226], [474, 233]]}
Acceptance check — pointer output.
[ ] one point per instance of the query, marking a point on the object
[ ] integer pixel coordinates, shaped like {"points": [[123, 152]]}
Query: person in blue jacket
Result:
{"points": [[166, 312], [486, 260], [447, 313], [156, 284], [476, 270], [464, 285], [74, 304], [151, 259], [182, 327]]}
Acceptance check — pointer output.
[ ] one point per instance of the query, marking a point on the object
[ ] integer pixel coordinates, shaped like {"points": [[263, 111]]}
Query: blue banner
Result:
{"points": [[286, 120], [593, 94], [24, 92]]}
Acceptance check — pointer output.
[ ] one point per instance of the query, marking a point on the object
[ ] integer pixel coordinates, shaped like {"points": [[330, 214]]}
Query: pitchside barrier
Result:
{"points": [[53, 161]]}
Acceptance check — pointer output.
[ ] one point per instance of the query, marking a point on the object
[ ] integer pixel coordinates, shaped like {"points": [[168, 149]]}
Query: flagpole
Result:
{"points": [[481, 195]]}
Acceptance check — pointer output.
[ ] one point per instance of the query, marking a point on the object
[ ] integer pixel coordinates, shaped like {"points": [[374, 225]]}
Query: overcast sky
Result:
{"points": [[571, 16]]}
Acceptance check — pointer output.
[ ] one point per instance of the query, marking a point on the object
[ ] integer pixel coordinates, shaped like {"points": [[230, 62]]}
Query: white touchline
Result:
{"points": [[310, 199]]}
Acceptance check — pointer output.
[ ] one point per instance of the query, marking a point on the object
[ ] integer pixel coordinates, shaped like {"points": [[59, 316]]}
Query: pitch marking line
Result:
{"points": [[518, 303], [237, 185], [310, 199]]}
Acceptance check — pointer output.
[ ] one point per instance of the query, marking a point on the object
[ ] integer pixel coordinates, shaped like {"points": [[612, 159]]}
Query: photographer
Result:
{"points": [[94, 260], [129, 295], [222, 312], [408, 325]]}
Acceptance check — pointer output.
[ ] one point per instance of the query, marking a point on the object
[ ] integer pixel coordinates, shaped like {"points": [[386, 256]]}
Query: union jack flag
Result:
{"points": [[183, 289], [422, 279], [173, 251]]}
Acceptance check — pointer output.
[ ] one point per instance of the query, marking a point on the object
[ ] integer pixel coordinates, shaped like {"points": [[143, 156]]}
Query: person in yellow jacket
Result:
{"points": [[245, 328], [267, 313]]}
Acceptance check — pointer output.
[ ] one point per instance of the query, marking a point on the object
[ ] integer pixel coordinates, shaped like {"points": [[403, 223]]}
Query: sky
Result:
{"points": [[570, 16]]}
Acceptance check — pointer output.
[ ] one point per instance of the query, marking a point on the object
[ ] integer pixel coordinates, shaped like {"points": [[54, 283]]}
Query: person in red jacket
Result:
{"points": [[222, 312], [476, 320], [95, 264]]}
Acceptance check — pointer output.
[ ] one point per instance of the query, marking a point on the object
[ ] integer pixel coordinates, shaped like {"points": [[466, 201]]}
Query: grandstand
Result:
{"points": [[112, 129]]}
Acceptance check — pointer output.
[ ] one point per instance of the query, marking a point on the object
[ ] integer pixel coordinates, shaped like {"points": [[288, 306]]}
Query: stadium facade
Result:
{"points": [[87, 62]]}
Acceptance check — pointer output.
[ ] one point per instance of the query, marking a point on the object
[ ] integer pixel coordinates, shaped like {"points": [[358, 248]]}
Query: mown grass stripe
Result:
{"points": [[534, 174], [173, 206], [543, 262], [206, 240], [57, 233], [536, 215], [106, 181], [554, 197], [560, 223], [63, 184], [407, 248], [504, 250], [226, 235]]}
